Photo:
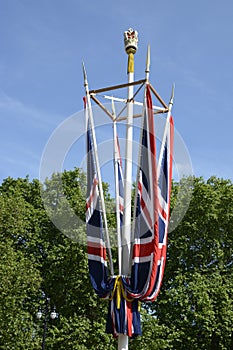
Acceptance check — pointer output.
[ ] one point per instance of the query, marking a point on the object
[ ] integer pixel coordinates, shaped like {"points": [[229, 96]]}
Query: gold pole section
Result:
{"points": [[130, 63]]}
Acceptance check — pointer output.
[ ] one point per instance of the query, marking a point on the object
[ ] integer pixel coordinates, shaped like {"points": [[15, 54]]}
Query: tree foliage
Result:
{"points": [[195, 303], [194, 309]]}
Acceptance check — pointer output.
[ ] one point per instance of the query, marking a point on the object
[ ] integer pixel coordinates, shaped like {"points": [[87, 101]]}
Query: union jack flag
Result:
{"points": [[164, 192], [125, 319], [150, 227], [96, 249], [152, 209], [145, 246], [123, 313]]}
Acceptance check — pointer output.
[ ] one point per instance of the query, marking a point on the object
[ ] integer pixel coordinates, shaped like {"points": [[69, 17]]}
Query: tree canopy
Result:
{"points": [[194, 309]]}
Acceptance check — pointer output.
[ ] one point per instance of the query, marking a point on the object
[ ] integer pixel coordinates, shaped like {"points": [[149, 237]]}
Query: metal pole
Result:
{"points": [[45, 322], [147, 71], [123, 342], [44, 333], [126, 239], [116, 155], [130, 40], [98, 171]]}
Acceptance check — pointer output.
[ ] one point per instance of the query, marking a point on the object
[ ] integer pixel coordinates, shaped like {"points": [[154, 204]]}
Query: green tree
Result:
{"points": [[195, 303], [19, 277], [83, 315], [193, 310], [59, 262]]}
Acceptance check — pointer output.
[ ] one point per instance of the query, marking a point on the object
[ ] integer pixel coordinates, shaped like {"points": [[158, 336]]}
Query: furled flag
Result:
{"points": [[164, 192], [123, 311], [96, 249], [145, 240], [152, 209], [149, 234]]}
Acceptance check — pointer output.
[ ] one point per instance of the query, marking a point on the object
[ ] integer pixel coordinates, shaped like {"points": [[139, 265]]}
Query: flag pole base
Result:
{"points": [[122, 342]]}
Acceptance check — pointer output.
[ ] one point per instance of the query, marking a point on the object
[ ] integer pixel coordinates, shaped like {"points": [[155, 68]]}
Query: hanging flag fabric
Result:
{"points": [[96, 249], [151, 219], [164, 192], [152, 210], [123, 312], [145, 245]]}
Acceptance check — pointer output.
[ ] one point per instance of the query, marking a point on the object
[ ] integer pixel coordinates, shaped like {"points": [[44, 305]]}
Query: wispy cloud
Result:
{"points": [[20, 112], [23, 134]]}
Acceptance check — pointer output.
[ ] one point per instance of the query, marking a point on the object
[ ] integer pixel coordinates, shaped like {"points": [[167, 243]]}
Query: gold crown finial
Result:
{"points": [[131, 41]]}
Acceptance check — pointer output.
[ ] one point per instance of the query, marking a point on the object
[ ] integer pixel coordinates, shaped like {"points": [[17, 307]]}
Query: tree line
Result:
{"points": [[194, 309]]}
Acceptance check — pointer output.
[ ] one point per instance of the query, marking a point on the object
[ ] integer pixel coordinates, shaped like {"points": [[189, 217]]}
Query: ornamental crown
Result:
{"points": [[131, 41]]}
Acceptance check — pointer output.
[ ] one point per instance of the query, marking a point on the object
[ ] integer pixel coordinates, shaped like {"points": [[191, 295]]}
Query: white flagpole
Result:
{"points": [[147, 71], [130, 40], [98, 170], [116, 155]]}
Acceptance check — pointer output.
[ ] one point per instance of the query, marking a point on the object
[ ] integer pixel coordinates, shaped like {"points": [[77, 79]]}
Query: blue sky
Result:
{"points": [[43, 44]]}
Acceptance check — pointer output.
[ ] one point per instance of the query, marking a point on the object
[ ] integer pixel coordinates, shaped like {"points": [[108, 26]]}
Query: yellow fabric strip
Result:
{"points": [[120, 292]]}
